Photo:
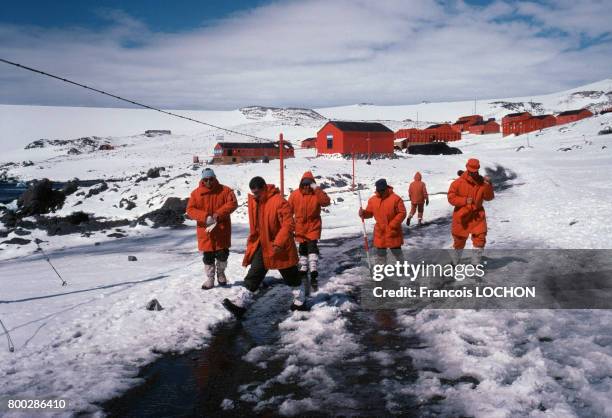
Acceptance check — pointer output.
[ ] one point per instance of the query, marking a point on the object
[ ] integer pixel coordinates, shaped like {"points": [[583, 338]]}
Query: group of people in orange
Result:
{"points": [[276, 224]]}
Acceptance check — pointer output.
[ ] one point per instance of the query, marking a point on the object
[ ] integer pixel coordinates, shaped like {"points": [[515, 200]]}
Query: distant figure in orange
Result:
{"points": [[467, 194], [417, 192]]}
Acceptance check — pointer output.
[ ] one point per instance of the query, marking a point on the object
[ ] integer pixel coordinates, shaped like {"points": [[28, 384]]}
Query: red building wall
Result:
{"points": [[584, 113], [490, 127], [514, 124], [464, 122], [442, 133], [347, 142]]}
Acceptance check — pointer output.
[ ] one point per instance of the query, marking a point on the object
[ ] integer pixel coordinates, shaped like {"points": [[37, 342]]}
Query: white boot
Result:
{"points": [[209, 273], [300, 294], [477, 255], [221, 266], [303, 263], [455, 256]]}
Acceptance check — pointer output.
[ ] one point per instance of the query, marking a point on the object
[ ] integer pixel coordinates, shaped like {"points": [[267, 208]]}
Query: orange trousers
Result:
{"points": [[478, 241]]}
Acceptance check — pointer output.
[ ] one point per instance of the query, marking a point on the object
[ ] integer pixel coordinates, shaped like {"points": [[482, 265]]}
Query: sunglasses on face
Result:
{"points": [[208, 179]]}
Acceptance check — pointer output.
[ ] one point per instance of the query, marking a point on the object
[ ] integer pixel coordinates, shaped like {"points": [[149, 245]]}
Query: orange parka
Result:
{"points": [[306, 208], [271, 222], [204, 202], [389, 212], [469, 219], [417, 191]]}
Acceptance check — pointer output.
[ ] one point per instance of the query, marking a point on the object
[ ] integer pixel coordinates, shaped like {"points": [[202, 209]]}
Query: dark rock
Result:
{"points": [[97, 190], [132, 258], [70, 187], [77, 218], [339, 182], [171, 214], [340, 199], [606, 131], [28, 163], [40, 198], [154, 172], [127, 204], [4, 233], [154, 305], [21, 232], [116, 235], [77, 222], [17, 241], [73, 151]]}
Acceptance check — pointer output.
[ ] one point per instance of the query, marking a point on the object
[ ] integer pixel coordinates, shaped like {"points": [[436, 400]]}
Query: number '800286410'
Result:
{"points": [[37, 404]]}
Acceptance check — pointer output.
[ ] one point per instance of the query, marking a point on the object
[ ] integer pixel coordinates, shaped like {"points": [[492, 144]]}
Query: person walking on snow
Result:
{"points": [[270, 245], [211, 205], [388, 209], [417, 192], [306, 203], [467, 194]]}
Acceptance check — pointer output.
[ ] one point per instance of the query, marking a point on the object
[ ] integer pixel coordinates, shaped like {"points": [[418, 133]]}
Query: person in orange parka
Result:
{"points": [[467, 194], [388, 209], [306, 203], [270, 245], [211, 205], [417, 192]]}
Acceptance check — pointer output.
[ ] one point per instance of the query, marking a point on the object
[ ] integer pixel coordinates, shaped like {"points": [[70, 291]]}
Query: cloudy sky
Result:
{"points": [[312, 53]]}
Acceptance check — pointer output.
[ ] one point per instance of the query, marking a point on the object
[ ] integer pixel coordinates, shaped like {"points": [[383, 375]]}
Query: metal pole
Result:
{"points": [[11, 346], [365, 235], [282, 165], [52, 266]]}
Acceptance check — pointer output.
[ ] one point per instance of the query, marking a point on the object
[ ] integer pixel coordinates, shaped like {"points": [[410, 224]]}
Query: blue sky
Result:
{"points": [[223, 55], [160, 14]]}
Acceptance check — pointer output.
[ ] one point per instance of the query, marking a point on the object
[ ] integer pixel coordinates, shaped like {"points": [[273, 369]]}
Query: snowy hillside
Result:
{"points": [[87, 341], [24, 124]]}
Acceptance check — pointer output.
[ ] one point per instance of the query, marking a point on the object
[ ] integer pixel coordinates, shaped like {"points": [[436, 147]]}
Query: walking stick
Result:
{"points": [[365, 235], [11, 346]]}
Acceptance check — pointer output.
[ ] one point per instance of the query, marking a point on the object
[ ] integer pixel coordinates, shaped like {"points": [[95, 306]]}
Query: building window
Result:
{"points": [[330, 141]]}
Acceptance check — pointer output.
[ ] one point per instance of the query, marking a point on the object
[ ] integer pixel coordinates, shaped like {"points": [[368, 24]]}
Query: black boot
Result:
{"points": [[302, 308], [236, 310], [314, 284]]}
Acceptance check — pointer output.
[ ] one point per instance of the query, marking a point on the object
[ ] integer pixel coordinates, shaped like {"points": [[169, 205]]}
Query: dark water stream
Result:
{"points": [[198, 382]]}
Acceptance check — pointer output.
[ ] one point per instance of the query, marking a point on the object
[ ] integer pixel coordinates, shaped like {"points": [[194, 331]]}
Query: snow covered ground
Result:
{"points": [[86, 341]]}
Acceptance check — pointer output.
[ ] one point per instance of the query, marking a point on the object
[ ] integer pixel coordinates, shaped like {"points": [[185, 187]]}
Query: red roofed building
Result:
{"points": [[309, 143], [464, 122], [484, 127], [413, 135], [338, 137], [537, 123], [513, 123], [573, 116], [442, 132], [238, 152]]}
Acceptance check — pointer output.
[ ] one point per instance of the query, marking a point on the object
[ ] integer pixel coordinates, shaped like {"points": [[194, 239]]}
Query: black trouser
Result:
{"points": [[257, 272], [308, 247], [210, 256], [396, 251]]}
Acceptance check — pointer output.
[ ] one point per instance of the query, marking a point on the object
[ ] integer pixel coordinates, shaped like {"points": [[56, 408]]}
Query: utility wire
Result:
{"points": [[133, 102]]}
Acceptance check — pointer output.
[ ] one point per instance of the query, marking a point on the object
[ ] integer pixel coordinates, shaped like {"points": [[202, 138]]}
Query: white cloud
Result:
{"points": [[316, 53]]}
